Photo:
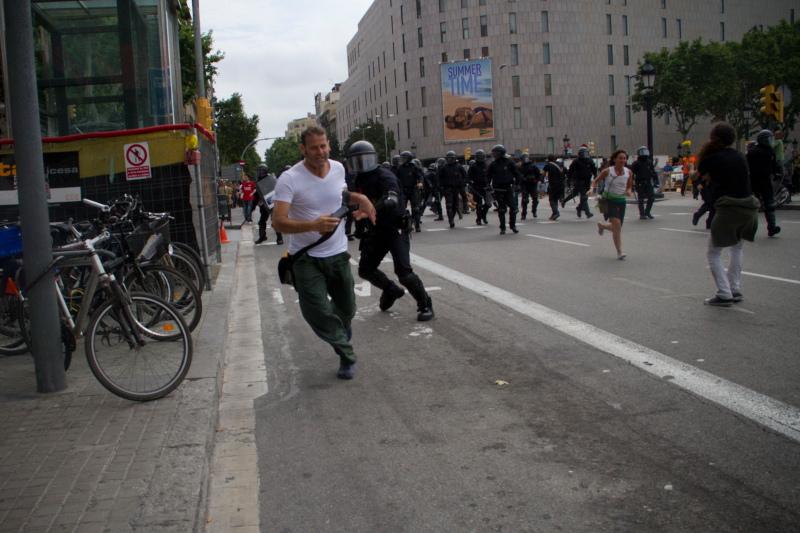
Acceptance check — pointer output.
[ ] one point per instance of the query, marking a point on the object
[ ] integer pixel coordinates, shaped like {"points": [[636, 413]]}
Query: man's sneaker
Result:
{"points": [[737, 297], [696, 218], [642, 217], [589, 215], [279, 241], [502, 231], [260, 240], [651, 217], [452, 225], [389, 296], [346, 370], [514, 229], [774, 230], [719, 302], [426, 313]]}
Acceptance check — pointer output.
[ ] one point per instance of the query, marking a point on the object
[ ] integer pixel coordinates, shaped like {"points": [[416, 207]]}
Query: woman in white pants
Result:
{"points": [[725, 172]]}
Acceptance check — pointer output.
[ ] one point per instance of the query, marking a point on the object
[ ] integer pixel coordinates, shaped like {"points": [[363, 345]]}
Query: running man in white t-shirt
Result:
{"points": [[305, 197]]}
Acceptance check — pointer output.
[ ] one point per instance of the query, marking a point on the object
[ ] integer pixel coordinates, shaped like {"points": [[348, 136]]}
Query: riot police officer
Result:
{"points": [[390, 234], [581, 173], [763, 165], [503, 178], [645, 179], [531, 176], [555, 184], [397, 160], [452, 178], [430, 192], [479, 184], [410, 177]]}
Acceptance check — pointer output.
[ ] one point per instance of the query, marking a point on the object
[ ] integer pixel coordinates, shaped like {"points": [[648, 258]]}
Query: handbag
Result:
{"points": [[602, 205], [286, 262]]}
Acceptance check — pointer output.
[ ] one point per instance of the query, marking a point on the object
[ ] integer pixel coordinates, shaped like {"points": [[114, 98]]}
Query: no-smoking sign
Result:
{"points": [[137, 161]]}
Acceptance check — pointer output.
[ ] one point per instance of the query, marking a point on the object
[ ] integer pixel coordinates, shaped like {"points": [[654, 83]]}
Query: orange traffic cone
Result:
{"points": [[223, 236]]}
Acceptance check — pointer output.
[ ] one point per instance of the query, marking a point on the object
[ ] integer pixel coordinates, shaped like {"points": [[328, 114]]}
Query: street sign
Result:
{"points": [[137, 161]]}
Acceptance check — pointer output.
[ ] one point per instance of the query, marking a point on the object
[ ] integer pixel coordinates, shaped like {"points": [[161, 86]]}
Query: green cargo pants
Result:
{"points": [[317, 278]]}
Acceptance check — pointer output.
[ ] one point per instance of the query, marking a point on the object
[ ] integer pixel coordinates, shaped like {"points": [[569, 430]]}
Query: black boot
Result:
{"points": [[389, 296], [425, 312]]}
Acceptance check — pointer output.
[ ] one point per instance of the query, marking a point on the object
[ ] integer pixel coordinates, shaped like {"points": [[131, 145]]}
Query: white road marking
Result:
{"points": [[277, 296], [680, 214], [773, 278], [437, 229], [774, 414], [475, 227], [363, 289], [697, 231], [556, 240], [790, 221], [429, 289], [643, 285]]}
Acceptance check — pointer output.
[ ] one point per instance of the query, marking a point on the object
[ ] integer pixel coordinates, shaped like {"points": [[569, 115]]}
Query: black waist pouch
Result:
{"points": [[285, 273]]}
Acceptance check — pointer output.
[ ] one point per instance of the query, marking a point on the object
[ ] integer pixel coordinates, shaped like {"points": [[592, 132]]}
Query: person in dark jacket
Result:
{"points": [[724, 171], [581, 173], [430, 192], [763, 165], [479, 184], [645, 180], [555, 184], [531, 177], [452, 178], [389, 233], [410, 177], [504, 178]]}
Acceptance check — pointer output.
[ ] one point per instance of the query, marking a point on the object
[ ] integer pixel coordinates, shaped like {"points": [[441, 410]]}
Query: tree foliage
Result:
{"points": [[282, 153], [721, 81], [373, 132], [235, 131], [186, 50]]}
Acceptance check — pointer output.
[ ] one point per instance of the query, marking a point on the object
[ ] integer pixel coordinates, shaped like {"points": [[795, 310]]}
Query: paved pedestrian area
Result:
{"points": [[84, 460]]}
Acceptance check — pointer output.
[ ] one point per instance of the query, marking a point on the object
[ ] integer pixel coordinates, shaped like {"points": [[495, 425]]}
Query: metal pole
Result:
{"points": [[200, 74], [650, 126], [46, 343], [201, 220]]}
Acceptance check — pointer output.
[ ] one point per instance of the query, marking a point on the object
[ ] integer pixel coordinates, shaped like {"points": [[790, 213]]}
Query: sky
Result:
{"points": [[279, 53]]}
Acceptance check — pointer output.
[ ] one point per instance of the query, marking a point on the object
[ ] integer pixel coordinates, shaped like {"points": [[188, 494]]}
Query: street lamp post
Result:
{"points": [[496, 115], [251, 143], [648, 77], [385, 141]]}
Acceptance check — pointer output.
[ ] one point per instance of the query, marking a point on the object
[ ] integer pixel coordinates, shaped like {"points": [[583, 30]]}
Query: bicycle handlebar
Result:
{"points": [[102, 207]]}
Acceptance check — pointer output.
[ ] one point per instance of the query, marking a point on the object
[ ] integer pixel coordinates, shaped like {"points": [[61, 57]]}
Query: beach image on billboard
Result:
{"points": [[467, 107]]}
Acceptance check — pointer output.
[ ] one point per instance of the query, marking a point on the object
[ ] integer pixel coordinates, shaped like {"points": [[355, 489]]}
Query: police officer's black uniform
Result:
{"points": [[581, 173], [504, 177], [410, 180], [531, 177], [555, 185], [479, 184], [763, 165], [452, 178], [645, 179], [390, 234], [431, 193]]}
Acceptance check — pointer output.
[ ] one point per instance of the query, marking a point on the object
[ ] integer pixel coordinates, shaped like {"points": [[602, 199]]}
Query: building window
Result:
{"points": [[419, 37], [609, 26], [403, 43], [515, 86], [610, 85], [397, 110], [664, 27], [419, 9], [442, 31], [405, 72], [625, 25], [484, 51], [465, 28], [407, 106], [625, 55], [666, 117], [679, 27], [466, 53], [484, 20], [402, 20], [444, 57], [612, 115], [464, 4], [613, 143], [481, 2], [424, 126], [721, 31], [423, 96], [663, 4], [391, 24], [627, 85], [551, 145], [512, 23], [628, 115], [441, 6], [514, 54], [546, 53], [722, 6], [545, 22], [408, 128], [421, 67], [548, 116], [548, 85], [517, 118], [610, 49]]}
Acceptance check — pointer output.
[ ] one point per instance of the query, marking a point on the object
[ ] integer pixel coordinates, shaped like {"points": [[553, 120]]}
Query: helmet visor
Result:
{"points": [[359, 163]]}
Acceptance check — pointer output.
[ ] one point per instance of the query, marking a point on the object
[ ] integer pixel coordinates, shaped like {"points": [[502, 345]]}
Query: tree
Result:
{"points": [[372, 131], [283, 152], [186, 48], [235, 131]]}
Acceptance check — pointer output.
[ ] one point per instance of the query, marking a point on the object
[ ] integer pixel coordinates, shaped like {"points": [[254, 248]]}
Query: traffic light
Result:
{"points": [[778, 107], [467, 153], [769, 102]]}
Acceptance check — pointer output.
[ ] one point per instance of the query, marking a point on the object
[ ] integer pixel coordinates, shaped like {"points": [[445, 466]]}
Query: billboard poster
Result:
{"points": [[63, 178], [467, 106]]}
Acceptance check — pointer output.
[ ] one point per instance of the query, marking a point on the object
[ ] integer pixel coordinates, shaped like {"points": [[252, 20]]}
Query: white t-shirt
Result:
{"points": [[312, 197]]}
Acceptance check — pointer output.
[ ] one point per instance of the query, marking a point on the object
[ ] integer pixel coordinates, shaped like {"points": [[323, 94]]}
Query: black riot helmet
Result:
{"points": [[396, 160], [362, 157], [417, 163], [407, 156], [765, 138], [643, 152], [583, 152], [480, 156], [450, 156], [386, 165], [525, 158], [498, 151], [441, 162], [432, 167]]}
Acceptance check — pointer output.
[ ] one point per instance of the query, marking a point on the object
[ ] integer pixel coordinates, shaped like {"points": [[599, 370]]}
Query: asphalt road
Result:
{"points": [[520, 412]]}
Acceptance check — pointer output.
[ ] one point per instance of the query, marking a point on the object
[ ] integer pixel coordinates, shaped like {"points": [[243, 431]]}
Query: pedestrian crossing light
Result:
{"points": [[770, 101]]}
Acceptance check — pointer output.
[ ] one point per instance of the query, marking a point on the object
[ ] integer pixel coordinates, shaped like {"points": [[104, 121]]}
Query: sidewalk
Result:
{"points": [[84, 460]]}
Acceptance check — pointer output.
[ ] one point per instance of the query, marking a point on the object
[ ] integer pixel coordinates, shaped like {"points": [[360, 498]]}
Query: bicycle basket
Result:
{"points": [[141, 236], [10, 241]]}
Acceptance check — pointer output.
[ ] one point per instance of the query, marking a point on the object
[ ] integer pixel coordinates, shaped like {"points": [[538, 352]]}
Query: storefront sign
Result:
{"points": [[63, 178], [467, 107], [137, 161]]}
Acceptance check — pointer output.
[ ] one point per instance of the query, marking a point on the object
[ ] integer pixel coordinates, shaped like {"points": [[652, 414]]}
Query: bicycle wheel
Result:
{"points": [[190, 252], [185, 265], [12, 337], [134, 352], [172, 286]]}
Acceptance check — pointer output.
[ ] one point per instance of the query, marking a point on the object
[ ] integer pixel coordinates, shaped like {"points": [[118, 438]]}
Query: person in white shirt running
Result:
{"points": [[618, 187]]}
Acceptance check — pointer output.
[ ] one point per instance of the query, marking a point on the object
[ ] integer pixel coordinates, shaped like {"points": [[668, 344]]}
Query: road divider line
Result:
{"points": [[769, 412], [773, 278], [695, 231], [556, 240]]}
